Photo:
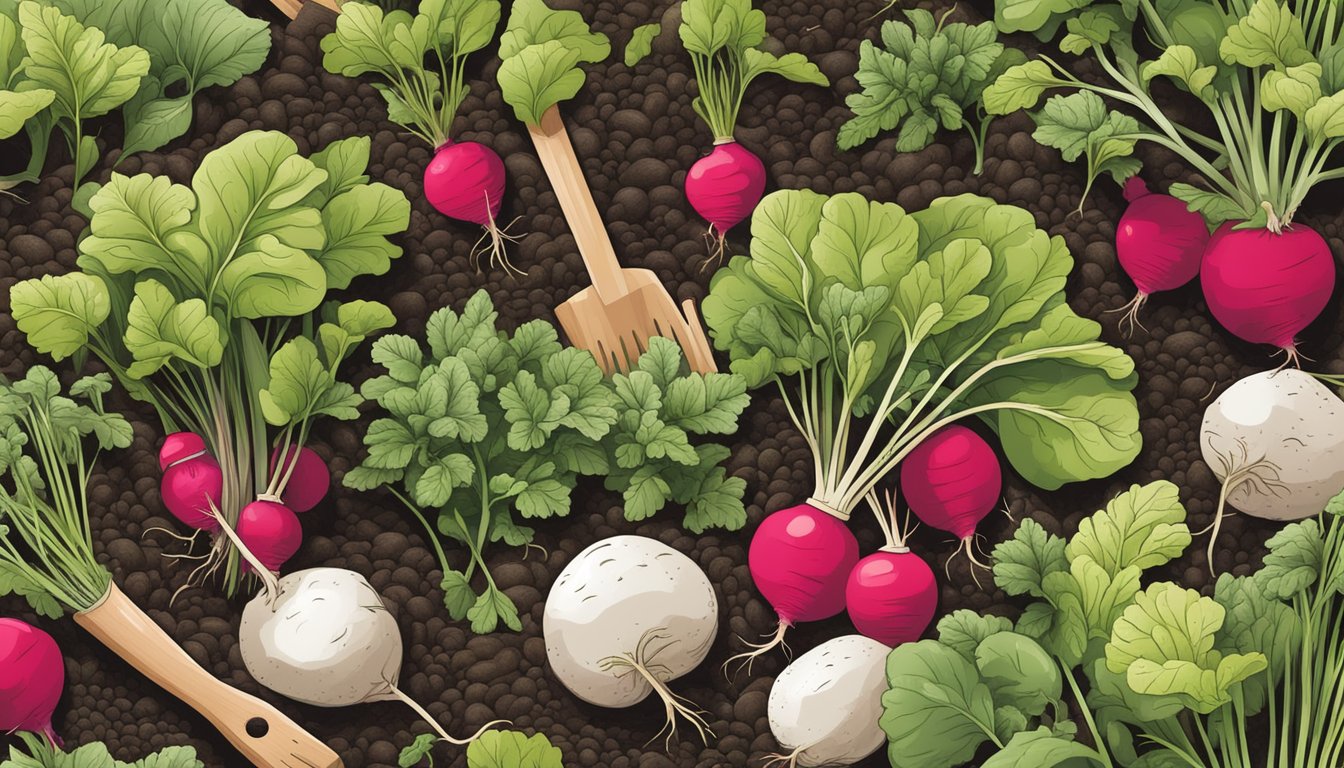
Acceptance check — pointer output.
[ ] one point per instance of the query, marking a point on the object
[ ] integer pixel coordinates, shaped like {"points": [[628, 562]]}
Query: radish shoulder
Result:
{"points": [[826, 707]]}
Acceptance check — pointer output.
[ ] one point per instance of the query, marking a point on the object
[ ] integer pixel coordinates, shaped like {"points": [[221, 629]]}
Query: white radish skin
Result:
{"points": [[825, 707], [1274, 439], [627, 615], [327, 640]]}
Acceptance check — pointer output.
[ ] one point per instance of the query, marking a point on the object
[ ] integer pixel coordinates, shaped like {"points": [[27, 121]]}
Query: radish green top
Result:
{"points": [[396, 45], [541, 50], [724, 39], [878, 327]]}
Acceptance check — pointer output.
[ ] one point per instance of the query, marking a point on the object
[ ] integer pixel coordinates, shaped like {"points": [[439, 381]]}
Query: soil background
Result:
{"points": [[636, 135]]}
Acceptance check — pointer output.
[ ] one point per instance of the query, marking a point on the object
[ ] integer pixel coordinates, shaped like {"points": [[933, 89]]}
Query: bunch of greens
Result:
{"points": [[492, 749], [84, 58], [395, 46], [880, 327], [193, 297], [1270, 73], [37, 752], [926, 74], [42, 503], [541, 51], [490, 423], [723, 38]]}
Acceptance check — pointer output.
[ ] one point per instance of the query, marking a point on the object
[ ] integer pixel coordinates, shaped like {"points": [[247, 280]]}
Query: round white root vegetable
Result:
{"points": [[626, 616], [324, 637], [1274, 440], [826, 706]]}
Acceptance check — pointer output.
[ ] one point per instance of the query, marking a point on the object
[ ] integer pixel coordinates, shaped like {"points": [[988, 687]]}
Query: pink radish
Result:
{"points": [[270, 531], [180, 446], [1265, 287], [800, 559], [724, 187], [192, 480], [304, 480], [32, 676], [465, 180], [891, 594], [1159, 242], [951, 481]]}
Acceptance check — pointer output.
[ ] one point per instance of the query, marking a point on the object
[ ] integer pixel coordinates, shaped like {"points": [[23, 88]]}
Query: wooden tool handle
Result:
{"points": [[576, 200], [258, 730], [699, 354], [291, 8]]}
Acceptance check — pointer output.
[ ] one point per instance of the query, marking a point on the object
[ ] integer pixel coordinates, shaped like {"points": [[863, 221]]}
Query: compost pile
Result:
{"points": [[636, 135]]}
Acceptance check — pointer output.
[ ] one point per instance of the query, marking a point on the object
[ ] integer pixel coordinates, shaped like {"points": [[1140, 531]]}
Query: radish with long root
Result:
{"points": [[46, 540], [891, 594], [324, 637], [826, 707], [465, 179], [627, 616], [32, 677], [723, 39], [1274, 440], [1159, 242], [951, 481]]}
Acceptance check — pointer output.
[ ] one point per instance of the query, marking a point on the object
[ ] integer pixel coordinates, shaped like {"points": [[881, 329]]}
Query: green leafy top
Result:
{"points": [[485, 424], [641, 43], [724, 39], [396, 45], [1270, 72], [492, 749], [920, 319], [926, 74], [541, 50], [37, 752], [46, 552]]}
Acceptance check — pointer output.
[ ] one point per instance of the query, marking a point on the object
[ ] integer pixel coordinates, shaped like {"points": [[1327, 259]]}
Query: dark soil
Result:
{"points": [[636, 134]]}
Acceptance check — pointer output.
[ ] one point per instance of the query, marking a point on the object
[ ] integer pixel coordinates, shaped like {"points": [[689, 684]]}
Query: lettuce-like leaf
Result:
{"points": [[541, 50]]}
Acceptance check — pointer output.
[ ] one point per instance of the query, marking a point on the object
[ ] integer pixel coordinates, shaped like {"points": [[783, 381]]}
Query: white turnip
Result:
{"points": [[1274, 440], [826, 706], [625, 617]]}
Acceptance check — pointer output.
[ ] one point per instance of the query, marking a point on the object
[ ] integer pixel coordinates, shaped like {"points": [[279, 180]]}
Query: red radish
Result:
{"points": [[891, 594], [189, 488], [800, 558], [32, 676], [1159, 242], [305, 479], [465, 180], [1265, 287], [951, 481], [180, 446], [724, 187], [270, 531]]}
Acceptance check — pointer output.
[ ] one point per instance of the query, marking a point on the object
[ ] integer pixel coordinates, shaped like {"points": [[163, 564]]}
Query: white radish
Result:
{"points": [[826, 706], [625, 617], [324, 637], [1274, 440]]}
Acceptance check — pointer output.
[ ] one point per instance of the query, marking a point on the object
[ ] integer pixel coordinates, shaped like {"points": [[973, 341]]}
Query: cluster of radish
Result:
{"points": [[1263, 285]]}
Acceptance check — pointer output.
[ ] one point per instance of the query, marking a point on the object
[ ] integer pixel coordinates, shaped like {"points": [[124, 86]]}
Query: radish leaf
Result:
{"points": [[641, 43], [511, 749]]}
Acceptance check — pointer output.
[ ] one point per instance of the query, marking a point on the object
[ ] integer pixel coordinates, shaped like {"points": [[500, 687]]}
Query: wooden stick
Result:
{"points": [[258, 730]]}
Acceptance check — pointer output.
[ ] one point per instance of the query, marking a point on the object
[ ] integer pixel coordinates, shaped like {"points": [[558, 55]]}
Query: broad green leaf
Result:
{"points": [[539, 77], [1164, 644], [458, 596], [782, 229], [412, 754], [491, 608], [963, 630], [645, 494], [716, 503], [1020, 87], [944, 283], [16, 581], [142, 224], [1215, 207], [1295, 559], [17, 108], [1094, 26], [1256, 622], [532, 413], [1022, 562], [161, 329], [88, 76], [937, 712], [705, 403], [511, 749], [357, 223], [1087, 602], [345, 162], [1270, 34], [460, 26], [1142, 528], [641, 43], [358, 45], [1180, 63], [1325, 118], [864, 244], [448, 473], [298, 379], [1018, 672], [1031, 15], [400, 355], [790, 66], [708, 26], [273, 280], [532, 22], [59, 313], [154, 120], [1295, 89], [1042, 749]]}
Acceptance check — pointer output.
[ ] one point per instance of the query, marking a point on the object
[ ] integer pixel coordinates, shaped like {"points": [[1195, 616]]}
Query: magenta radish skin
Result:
{"points": [[32, 676], [270, 531], [891, 596], [800, 559], [725, 185], [1266, 287], [1159, 241], [465, 181], [190, 487], [180, 446], [308, 483], [952, 480]]}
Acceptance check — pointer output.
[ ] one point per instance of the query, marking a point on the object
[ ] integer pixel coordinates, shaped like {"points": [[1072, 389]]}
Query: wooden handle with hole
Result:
{"points": [[257, 729], [576, 200]]}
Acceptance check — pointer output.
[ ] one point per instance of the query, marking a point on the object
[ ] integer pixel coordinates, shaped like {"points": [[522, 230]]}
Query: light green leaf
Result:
{"points": [[1180, 63], [1031, 15], [357, 223], [539, 77], [491, 608], [16, 581], [412, 754], [458, 596], [511, 749], [1325, 118], [1295, 559], [273, 280], [641, 43], [160, 329], [1215, 207], [448, 473], [1042, 749], [532, 22], [142, 224], [1269, 34], [790, 66], [864, 244], [88, 76], [298, 380], [963, 630], [17, 108], [154, 120], [1018, 672], [532, 413], [1143, 527], [1295, 89], [1022, 562], [59, 313], [345, 162], [1020, 87]]}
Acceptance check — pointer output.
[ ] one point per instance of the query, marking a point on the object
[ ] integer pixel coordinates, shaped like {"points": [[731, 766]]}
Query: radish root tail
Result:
{"points": [[641, 663], [786, 761], [759, 649], [967, 547], [717, 243], [1130, 319], [1237, 471], [494, 242], [443, 734], [1292, 357]]}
